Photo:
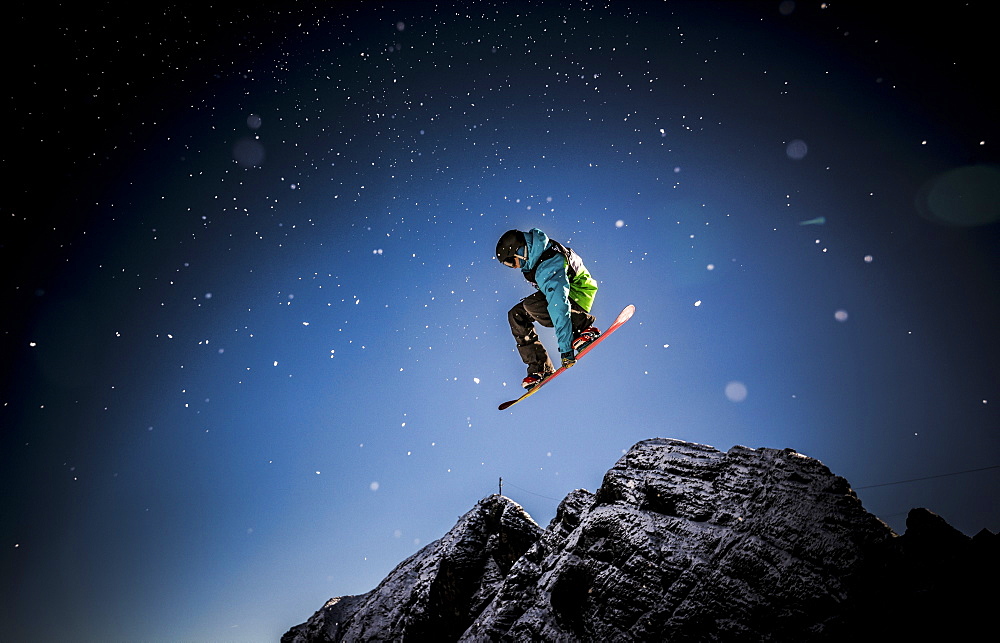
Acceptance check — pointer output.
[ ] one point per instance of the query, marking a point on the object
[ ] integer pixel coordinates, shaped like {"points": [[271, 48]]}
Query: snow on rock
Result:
{"points": [[436, 592], [680, 535], [681, 542]]}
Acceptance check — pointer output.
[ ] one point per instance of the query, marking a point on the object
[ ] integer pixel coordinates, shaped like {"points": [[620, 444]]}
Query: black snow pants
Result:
{"points": [[534, 308]]}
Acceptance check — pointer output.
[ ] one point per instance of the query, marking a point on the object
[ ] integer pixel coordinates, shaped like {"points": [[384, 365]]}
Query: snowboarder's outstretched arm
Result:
{"points": [[554, 283], [552, 280]]}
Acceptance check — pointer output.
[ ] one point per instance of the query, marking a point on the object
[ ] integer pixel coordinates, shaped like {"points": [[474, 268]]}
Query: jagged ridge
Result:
{"points": [[435, 593], [681, 542]]}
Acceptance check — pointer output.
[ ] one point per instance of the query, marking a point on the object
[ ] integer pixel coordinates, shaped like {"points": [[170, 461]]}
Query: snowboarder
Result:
{"points": [[563, 300]]}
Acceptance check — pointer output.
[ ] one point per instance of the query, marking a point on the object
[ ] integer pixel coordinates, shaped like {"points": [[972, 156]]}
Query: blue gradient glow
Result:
{"points": [[258, 343]]}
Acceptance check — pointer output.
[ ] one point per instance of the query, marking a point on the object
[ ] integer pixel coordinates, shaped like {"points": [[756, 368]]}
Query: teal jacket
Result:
{"points": [[562, 279]]}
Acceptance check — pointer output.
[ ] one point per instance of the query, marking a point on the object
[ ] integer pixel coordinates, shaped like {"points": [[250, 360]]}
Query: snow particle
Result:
{"points": [[736, 391], [248, 152], [797, 150], [373, 486], [965, 196]]}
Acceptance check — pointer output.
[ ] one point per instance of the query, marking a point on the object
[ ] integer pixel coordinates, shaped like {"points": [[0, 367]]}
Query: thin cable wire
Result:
{"points": [[870, 486], [941, 475], [510, 484]]}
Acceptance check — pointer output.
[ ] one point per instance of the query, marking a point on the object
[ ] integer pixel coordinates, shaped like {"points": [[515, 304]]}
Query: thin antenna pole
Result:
{"points": [[501, 485]]}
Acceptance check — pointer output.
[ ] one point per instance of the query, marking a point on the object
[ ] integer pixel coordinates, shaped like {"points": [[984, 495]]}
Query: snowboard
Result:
{"points": [[623, 317]]}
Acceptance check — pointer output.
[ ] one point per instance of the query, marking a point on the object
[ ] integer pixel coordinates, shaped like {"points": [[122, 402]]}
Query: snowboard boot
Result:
{"points": [[584, 338], [533, 380]]}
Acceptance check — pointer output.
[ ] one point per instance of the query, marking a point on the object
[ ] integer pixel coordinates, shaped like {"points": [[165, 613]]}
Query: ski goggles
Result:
{"points": [[512, 261]]}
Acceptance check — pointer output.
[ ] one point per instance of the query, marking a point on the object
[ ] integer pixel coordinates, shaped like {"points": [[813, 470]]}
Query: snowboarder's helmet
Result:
{"points": [[508, 246]]}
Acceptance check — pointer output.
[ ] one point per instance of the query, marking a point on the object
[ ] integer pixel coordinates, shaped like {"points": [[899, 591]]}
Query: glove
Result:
{"points": [[568, 359]]}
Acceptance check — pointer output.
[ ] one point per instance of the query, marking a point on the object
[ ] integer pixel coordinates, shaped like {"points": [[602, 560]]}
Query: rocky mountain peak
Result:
{"points": [[680, 542], [436, 592]]}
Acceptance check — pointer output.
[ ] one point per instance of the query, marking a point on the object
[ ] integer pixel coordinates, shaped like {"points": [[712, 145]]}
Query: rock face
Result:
{"points": [[681, 542], [434, 594]]}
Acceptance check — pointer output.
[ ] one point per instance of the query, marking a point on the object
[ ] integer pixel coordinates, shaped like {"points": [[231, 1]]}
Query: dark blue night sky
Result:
{"points": [[255, 337]]}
